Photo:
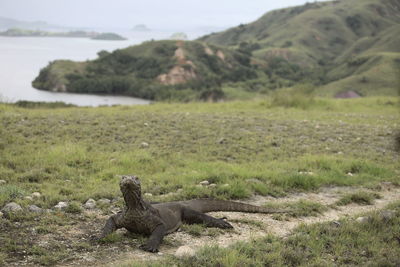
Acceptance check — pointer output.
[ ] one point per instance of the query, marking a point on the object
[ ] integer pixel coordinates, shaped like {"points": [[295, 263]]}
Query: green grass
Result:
{"points": [[73, 154], [112, 238], [73, 207], [361, 198], [301, 208], [197, 230]]}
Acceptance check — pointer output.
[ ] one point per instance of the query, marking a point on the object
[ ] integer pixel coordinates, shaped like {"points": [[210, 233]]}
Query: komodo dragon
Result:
{"points": [[157, 220]]}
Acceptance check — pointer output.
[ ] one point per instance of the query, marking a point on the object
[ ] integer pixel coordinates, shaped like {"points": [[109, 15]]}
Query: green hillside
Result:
{"points": [[347, 39], [153, 70]]}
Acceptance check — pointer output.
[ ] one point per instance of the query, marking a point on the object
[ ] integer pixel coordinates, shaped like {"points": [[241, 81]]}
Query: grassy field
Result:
{"points": [[73, 154]]}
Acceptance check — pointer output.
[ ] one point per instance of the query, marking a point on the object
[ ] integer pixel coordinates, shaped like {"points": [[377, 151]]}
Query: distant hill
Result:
{"points": [[141, 28], [160, 70], [7, 23], [16, 32], [108, 36], [355, 43]]}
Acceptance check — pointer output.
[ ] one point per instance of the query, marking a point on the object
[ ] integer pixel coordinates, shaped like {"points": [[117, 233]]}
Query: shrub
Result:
{"points": [[74, 207], [298, 97]]}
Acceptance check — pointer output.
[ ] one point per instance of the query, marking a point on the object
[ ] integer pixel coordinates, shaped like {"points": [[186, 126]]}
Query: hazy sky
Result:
{"points": [[154, 13]]}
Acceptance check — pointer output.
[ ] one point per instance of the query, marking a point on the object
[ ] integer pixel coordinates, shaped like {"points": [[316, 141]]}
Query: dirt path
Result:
{"points": [[265, 223]]}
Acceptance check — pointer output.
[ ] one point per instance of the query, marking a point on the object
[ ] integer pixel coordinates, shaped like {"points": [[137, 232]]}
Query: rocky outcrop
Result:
{"points": [[177, 75], [181, 73]]}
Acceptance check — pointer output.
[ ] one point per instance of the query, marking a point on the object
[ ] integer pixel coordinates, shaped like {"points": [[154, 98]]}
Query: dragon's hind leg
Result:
{"points": [[190, 216]]}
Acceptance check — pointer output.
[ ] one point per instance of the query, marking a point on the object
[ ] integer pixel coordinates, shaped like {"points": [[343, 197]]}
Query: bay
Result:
{"points": [[22, 58]]}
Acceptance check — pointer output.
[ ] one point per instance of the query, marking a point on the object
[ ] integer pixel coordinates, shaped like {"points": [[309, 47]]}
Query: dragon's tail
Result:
{"points": [[207, 205]]}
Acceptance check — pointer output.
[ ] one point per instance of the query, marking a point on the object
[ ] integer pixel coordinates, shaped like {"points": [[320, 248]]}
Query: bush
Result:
{"points": [[32, 104], [74, 207], [297, 97]]}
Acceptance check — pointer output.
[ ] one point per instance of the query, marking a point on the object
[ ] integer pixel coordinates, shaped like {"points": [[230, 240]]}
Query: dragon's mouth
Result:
{"points": [[130, 181], [130, 188]]}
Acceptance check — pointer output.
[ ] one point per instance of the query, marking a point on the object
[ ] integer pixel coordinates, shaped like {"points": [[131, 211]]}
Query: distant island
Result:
{"points": [[141, 28], [16, 32], [179, 36], [9, 23], [108, 36]]}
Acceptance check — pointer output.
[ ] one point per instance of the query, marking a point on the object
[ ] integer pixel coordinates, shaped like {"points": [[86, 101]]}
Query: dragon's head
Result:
{"points": [[130, 188]]}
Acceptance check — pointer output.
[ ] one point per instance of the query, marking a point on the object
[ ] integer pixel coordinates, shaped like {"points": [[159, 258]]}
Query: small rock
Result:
{"points": [[29, 198], [160, 253], [90, 204], [350, 174], [362, 219], [145, 124], [61, 205], [387, 183], [1, 214], [34, 208], [36, 195], [180, 190], [212, 185], [104, 201], [225, 185], [148, 194], [340, 153], [11, 207], [364, 253], [144, 145], [2, 182], [340, 138], [387, 214], [221, 141], [88, 258], [184, 251], [204, 183]]}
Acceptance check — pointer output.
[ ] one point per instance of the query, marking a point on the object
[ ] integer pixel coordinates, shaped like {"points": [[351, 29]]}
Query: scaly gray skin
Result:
{"points": [[157, 220]]}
